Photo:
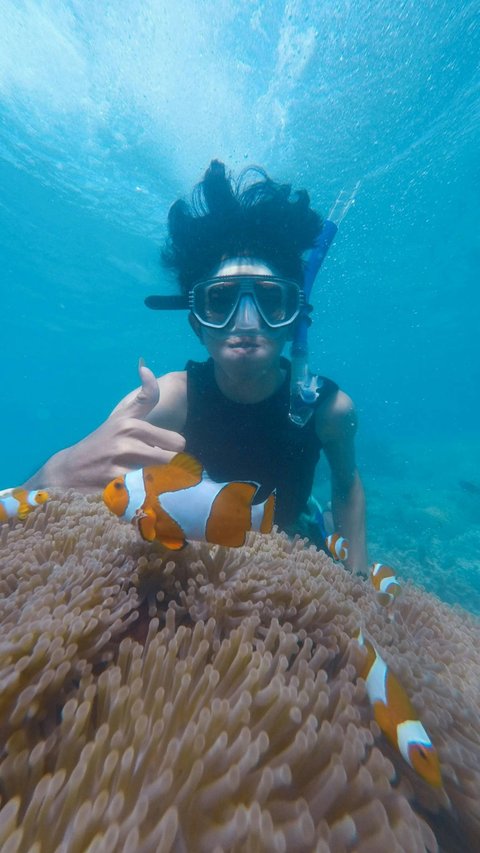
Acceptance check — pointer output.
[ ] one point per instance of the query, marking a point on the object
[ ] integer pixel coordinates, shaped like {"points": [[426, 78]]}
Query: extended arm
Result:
{"points": [[336, 428]]}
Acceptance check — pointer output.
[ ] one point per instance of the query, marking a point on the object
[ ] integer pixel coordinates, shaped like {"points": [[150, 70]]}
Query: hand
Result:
{"points": [[125, 441]]}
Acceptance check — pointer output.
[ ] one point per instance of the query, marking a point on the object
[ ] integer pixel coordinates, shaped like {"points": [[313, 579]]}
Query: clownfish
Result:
{"points": [[385, 583], [178, 501], [337, 546], [396, 717], [18, 502]]}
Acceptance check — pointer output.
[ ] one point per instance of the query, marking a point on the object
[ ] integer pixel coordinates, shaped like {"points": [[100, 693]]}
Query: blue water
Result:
{"points": [[110, 111]]}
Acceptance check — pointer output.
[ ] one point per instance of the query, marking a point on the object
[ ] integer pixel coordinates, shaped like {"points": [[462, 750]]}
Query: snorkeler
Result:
{"points": [[237, 251]]}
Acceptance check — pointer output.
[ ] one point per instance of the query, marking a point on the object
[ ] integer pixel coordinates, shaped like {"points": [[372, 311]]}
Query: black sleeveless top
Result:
{"points": [[253, 441]]}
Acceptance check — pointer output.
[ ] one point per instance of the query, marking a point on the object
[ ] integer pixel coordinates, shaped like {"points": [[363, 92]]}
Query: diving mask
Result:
{"points": [[214, 301]]}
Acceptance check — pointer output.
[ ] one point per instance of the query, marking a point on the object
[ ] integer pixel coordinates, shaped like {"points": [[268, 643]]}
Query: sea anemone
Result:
{"points": [[211, 699]]}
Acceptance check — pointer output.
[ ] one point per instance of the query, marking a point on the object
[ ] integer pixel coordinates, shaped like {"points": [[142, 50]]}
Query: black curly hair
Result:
{"points": [[253, 216]]}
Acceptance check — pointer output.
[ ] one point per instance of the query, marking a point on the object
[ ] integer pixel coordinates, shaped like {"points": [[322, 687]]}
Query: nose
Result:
{"points": [[246, 316]]}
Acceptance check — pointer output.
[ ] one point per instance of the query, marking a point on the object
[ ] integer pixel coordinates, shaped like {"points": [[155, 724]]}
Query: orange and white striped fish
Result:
{"points": [[385, 583], [396, 717], [18, 502], [337, 546], [178, 501]]}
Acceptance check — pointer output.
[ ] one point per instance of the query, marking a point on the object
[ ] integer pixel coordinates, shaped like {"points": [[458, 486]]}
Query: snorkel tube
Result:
{"points": [[305, 386]]}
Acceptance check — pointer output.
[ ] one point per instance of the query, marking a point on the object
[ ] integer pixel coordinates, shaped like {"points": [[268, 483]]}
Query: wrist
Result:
{"points": [[52, 473]]}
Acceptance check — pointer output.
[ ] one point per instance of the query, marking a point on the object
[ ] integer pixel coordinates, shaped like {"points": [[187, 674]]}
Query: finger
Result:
{"points": [[146, 397], [139, 455], [154, 436]]}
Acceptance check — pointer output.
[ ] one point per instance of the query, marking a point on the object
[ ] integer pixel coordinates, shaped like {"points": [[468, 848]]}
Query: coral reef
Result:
{"points": [[210, 700], [421, 518]]}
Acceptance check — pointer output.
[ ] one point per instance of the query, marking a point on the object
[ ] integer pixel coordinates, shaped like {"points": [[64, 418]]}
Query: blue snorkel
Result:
{"points": [[304, 385]]}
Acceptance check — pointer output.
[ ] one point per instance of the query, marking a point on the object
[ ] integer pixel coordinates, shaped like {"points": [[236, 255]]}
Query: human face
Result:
{"points": [[246, 345]]}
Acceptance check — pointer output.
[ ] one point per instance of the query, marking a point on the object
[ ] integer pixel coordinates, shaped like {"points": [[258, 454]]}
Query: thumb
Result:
{"points": [[147, 396]]}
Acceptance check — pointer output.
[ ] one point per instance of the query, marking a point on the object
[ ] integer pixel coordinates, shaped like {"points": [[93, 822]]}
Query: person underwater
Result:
{"points": [[237, 249], [178, 501]]}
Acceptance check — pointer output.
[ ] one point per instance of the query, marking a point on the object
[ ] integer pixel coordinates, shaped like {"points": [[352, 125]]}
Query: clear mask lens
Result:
{"points": [[215, 301]]}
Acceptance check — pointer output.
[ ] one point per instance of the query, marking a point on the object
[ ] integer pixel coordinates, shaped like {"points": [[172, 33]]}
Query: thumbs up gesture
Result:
{"points": [[125, 441], [141, 402]]}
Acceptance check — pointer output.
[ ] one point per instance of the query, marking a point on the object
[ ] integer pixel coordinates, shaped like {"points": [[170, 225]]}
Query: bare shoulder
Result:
{"points": [[173, 383], [336, 418], [171, 409]]}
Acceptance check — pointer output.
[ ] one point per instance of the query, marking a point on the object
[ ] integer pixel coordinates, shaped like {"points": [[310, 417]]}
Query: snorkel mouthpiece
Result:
{"points": [[304, 390]]}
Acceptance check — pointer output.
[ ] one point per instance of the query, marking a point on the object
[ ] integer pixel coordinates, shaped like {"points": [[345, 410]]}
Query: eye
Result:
{"points": [[220, 298], [118, 485]]}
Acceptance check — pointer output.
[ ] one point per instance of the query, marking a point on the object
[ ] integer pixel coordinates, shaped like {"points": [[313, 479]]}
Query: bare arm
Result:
{"points": [[336, 425], [143, 429]]}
